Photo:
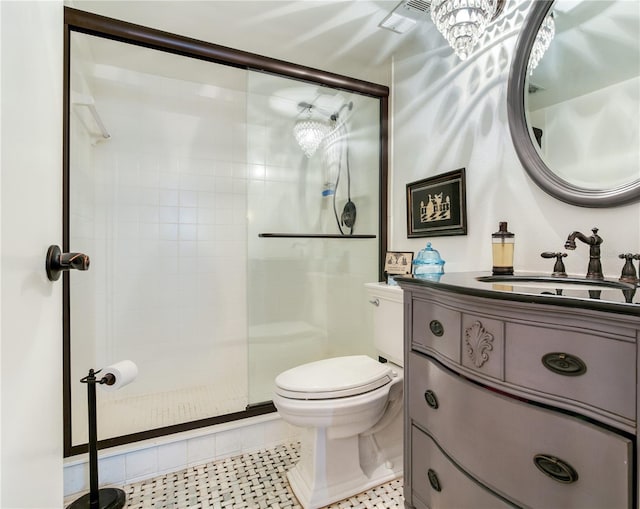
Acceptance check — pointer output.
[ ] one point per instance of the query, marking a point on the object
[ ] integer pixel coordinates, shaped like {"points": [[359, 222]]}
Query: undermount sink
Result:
{"points": [[557, 283]]}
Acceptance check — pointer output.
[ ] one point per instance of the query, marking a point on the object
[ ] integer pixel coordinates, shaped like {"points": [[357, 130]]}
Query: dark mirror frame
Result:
{"points": [[536, 168], [109, 28]]}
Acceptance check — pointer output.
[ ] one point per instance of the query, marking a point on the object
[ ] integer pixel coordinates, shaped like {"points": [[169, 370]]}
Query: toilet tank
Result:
{"points": [[388, 320]]}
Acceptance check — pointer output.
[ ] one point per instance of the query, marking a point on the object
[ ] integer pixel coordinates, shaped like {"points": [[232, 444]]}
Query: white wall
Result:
{"points": [[606, 141], [31, 352], [450, 114]]}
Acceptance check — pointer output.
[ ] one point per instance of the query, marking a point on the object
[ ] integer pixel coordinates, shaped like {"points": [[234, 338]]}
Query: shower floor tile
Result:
{"points": [[250, 481]]}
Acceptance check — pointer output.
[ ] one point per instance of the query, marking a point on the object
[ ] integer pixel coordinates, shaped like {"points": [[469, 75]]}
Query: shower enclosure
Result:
{"points": [[217, 258]]}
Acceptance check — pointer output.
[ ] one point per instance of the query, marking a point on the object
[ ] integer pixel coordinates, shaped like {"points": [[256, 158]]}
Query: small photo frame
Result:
{"points": [[397, 262], [436, 206]]}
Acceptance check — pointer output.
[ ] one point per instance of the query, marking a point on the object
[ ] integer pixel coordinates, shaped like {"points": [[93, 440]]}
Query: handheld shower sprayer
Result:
{"points": [[339, 129]]}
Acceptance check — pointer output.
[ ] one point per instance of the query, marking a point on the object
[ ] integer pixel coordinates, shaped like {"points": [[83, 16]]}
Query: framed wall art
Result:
{"points": [[436, 206]]}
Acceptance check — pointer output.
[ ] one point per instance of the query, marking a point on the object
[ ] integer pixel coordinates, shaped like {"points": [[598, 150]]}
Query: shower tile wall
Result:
{"points": [[161, 209]]}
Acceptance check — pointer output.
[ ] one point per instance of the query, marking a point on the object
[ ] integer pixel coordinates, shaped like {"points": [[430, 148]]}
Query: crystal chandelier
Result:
{"points": [[543, 39], [309, 133], [462, 22]]}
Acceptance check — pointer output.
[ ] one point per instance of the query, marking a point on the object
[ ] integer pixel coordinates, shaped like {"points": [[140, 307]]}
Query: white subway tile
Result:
{"points": [[188, 215], [252, 437], [256, 171], [188, 248], [201, 449], [168, 197], [141, 463], [223, 169], [112, 470], [168, 232], [76, 478], [224, 216], [169, 180], [206, 232], [188, 182], [189, 198], [206, 215], [149, 196], [148, 214], [168, 214], [172, 456], [228, 443], [224, 185]]}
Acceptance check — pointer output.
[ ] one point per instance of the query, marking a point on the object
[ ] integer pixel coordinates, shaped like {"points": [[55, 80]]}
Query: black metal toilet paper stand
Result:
{"points": [[105, 498]]}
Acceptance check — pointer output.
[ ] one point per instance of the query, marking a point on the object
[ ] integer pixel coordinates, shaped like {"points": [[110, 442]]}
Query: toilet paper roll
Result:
{"points": [[124, 373]]}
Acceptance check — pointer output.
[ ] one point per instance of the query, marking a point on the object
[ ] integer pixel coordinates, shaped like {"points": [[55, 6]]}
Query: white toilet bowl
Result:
{"points": [[350, 409]]}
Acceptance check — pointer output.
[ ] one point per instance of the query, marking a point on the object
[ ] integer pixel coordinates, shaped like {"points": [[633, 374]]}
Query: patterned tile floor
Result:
{"points": [[250, 481]]}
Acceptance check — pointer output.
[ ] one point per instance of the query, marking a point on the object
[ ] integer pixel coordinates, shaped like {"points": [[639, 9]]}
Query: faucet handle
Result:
{"points": [[558, 268], [629, 274]]}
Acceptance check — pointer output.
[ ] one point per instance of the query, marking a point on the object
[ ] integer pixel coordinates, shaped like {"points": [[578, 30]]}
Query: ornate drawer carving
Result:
{"points": [[483, 345], [498, 438], [579, 366], [439, 484], [436, 328]]}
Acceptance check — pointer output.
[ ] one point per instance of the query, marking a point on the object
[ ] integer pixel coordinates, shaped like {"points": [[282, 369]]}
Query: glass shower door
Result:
{"points": [[307, 266], [157, 199]]}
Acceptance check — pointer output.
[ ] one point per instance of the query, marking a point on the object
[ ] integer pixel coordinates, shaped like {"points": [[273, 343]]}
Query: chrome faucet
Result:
{"points": [[594, 270]]}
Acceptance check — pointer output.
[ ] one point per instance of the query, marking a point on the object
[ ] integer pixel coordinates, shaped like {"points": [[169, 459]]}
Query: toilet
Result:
{"points": [[350, 409]]}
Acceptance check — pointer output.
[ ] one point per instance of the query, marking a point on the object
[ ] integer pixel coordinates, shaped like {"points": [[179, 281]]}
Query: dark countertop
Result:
{"points": [[537, 288]]}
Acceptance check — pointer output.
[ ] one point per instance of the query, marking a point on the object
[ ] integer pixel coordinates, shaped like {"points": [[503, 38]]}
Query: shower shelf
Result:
{"points": [[314, 236]]}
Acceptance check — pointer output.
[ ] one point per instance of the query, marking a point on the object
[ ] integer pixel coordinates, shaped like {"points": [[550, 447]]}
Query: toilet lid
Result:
{"points": [[333, 378]]}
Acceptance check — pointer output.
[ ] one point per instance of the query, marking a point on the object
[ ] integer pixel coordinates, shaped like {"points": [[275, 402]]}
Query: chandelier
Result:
{"points": [[543, 39], [309, 133], [463, 22]]}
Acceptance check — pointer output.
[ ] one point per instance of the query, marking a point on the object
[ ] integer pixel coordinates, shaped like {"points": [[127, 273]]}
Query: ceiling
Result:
{"points": [[337, 35]]}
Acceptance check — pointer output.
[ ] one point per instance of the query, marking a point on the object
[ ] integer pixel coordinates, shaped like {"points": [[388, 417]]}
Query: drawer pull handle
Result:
{"points": [[375, 302], [433, 480], [436, 327], [564, 364], [555, 468], [430, 398]]}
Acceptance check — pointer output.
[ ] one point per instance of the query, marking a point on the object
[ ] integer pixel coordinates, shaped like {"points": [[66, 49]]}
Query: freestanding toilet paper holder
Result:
{"points": [[104, 498]]}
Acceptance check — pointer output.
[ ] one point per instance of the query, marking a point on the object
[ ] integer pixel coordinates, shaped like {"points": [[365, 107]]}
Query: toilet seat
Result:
{"points": [[338, 377]]}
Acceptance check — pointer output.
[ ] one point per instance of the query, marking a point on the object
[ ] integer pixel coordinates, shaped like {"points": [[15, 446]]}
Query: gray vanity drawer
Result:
{"points": [[609, 381], [436, 328], [497, 438], [451, 488]]}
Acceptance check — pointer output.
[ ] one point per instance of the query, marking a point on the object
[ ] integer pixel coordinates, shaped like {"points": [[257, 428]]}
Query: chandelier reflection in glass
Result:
{"points": [[463, 22], [543, 39], [309, 133]]}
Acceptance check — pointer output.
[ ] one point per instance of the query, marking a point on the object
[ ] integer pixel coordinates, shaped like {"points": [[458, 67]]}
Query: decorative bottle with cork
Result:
{"points": [[502, 244]]}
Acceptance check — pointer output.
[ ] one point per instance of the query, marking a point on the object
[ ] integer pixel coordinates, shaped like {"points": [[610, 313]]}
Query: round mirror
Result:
{"points": [[574, 108]]}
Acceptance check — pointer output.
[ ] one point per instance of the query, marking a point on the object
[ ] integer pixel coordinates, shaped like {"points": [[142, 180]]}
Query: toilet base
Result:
{"points": [[335, 473]]}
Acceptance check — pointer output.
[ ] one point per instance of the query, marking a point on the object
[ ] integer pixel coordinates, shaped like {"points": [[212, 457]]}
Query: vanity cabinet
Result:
{"points": [[518, 403]]}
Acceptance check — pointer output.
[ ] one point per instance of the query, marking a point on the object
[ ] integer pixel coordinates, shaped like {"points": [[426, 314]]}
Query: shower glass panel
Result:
{"points": [[306, 298], [157, 198], [221, 254]]}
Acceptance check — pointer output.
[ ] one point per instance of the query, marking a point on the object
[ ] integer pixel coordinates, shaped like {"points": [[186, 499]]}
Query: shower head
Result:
{"points": [[349, 105], [305, 106]]}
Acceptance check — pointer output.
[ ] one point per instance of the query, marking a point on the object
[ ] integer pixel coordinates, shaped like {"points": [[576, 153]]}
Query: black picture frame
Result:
{"points": [[437, 206]]}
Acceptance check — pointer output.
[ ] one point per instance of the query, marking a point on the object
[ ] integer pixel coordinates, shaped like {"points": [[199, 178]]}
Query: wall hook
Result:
{"points": [[57, 261]]}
